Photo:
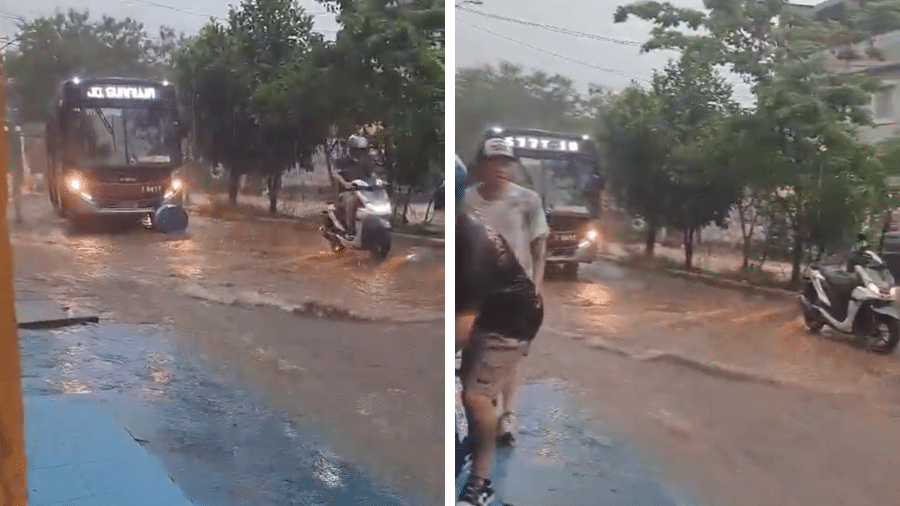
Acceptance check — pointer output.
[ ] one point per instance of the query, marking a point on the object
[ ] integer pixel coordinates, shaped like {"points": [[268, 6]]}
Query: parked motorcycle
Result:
{"points": [[373, 224], [856, 299]]}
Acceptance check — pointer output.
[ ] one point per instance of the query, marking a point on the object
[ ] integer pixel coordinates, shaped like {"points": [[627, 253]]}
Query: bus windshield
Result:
{"points": [[115, 136], [559, 182]]}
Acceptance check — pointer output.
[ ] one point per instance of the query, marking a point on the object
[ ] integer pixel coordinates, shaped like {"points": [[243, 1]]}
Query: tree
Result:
{"points": [[392, 65], [506, 95], [233, 79], [808, 114], [638, 150], [695, 100], [54, 48], [661, 167]]}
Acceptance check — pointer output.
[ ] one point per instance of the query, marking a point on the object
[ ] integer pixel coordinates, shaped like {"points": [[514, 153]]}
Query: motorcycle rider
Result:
{"points": [[498, 314], [357, 164]]}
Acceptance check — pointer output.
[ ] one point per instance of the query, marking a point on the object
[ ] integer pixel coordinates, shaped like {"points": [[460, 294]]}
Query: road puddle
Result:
{"points": [[565, 457], [221, 445]]}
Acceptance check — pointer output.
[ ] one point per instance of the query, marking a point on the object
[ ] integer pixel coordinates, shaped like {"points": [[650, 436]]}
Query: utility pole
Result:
{"points": [[12, 138], [13, 460]]}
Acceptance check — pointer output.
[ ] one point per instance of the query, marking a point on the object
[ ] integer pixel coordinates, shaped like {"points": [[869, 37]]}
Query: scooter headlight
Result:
{"points": [[382, 208]]}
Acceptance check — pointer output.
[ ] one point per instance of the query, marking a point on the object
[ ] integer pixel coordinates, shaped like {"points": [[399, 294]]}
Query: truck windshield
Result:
{"points": [[559, 182], [122, 136]]}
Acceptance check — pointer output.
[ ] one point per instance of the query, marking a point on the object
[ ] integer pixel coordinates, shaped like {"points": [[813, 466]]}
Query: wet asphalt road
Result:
{"points": [[723, 394], [257, 356], [563, 457], [222, 444]]}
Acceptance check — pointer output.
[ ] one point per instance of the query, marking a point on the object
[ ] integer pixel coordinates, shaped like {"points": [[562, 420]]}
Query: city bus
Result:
{"points": [[114, 148]]}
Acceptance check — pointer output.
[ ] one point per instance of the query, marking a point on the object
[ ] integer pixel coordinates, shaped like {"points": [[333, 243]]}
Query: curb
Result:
{"points": [[437, 241], [58, 323], [707, 278]]}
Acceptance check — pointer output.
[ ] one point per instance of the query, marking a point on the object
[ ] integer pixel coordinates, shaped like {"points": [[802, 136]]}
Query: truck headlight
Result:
{"points": [[592, 235]]}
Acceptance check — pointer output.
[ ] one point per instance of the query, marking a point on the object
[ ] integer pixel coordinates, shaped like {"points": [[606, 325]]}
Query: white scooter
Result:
{"points": [[858, 300], [373, 226]]}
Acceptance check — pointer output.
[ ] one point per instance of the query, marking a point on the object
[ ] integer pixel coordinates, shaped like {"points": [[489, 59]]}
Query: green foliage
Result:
{"points": [[506, 95], [262, 89], [389, 60], [801, 136], [232, 78], [53, 48], [659, 141]]}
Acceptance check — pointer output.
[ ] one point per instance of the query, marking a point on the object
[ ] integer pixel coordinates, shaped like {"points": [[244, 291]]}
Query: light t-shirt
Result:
{"points": [[518, 216]]}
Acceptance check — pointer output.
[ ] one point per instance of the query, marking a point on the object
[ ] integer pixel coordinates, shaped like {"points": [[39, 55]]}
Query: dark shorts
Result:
{"points": [[516, 312], [501, 336]]}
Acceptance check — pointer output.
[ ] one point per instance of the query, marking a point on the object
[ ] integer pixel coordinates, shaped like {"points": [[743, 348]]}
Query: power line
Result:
{"points": [[195, 13], [579, 62], [551, 28], [542, 50]]}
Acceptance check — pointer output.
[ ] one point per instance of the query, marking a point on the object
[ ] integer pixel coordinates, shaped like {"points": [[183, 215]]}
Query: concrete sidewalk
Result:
{"points": [[79, 456]]}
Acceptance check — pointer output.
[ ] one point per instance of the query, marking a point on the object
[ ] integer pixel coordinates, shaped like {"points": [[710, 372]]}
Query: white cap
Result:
{"points": [[498, 147]]}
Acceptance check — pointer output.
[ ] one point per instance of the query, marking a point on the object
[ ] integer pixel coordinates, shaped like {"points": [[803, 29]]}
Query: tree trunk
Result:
{"points": [[406, 198], [689, 248], [650, 241], [329, 158], [797, 257], [274, 183], [884, 229], [234, 185]]}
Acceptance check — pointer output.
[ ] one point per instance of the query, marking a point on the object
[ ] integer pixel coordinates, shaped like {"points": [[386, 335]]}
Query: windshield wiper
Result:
{"points": [[108, 125]]}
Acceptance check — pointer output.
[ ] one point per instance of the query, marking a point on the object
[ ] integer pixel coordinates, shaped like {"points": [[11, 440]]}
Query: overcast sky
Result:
{"points": [[607, 63], [186, 16], [618, 63]]}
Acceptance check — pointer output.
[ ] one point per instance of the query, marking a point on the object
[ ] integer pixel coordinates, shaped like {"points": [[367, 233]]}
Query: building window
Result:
{"points": [[883, 105]]}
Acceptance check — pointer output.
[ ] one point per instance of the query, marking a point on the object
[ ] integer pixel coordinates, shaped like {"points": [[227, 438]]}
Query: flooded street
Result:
{"points": [[279, 263], [259, 367], [724, 394], [222, 444]]}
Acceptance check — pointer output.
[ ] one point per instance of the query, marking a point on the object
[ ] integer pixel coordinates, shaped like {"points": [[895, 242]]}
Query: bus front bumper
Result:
{"points": [[84, 204], [585, 252]]}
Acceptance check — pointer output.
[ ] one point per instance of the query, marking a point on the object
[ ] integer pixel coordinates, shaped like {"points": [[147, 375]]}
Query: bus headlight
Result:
{"points": [[174, 188], [75, 183]]}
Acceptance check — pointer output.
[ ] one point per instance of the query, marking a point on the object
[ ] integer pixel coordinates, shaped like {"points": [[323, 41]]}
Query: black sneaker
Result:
{"points": [[477, 492], [505, 428], [506, 440], [468, 450]]}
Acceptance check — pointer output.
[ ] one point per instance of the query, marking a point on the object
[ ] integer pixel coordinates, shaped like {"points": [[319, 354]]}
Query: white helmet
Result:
{"points": [[357, 142]]}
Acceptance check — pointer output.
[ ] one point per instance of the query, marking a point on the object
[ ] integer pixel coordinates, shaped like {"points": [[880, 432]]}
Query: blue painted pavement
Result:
{"points": [[79, 456], [561, 459]]}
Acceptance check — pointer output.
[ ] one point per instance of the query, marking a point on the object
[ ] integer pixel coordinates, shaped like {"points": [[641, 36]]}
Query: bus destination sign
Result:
{"points": [[544, 144], [122, 92]]}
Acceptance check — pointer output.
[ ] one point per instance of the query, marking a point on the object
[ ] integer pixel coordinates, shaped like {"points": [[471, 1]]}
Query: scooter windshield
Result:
{"points": [[880, 275], [375, 194]]}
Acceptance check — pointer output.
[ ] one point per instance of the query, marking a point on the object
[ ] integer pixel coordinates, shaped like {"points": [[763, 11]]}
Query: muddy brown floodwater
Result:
{"points": [[351, 345], [725, 393]]}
